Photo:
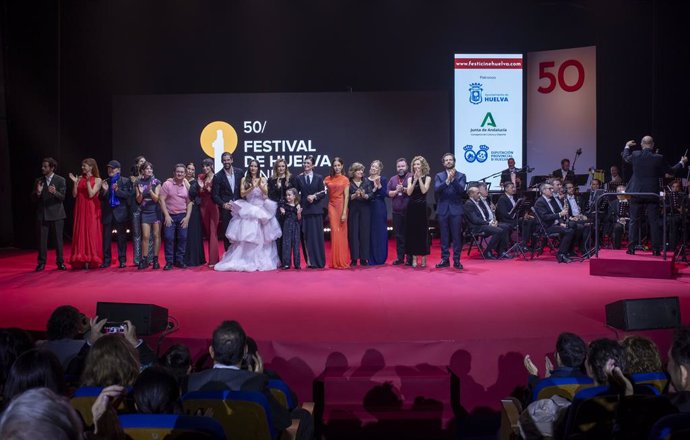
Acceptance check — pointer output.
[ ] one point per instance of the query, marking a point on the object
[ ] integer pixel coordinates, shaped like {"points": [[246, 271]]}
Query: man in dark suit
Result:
{"points": [[564, 172], [311, 189], [49, 192], [648, 169], [224, 189], [115, 193], [481, 219], [505, 205], [449, 188], [554, 220], [227, 350], [512, 175]]}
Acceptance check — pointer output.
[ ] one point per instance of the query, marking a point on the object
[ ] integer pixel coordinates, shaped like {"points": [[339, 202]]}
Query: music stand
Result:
{"points": [[535, 181], [521, 205]]}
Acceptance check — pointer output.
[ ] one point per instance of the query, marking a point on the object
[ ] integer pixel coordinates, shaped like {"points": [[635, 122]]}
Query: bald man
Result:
{"points": [[648, 168]]}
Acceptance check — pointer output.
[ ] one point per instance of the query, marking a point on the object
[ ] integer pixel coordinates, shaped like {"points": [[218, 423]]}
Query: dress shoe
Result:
{"points": [[143, 264], [409, 262], [40, 267], [442, 263], [562, 258], [398, 262], [457, 265], [286, 267], [168, 266], [353, 263], [489, 256], [122, 265], [630, 251], [104, 265], [363, 262], [656, 253], [156, 264], [181, 265], [61, 266]]}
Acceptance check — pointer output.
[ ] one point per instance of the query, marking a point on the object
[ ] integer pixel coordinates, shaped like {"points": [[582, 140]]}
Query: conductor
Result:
{"points": [[648, 168]]}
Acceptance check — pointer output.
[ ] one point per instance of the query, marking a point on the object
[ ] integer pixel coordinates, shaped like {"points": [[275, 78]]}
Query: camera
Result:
{"points": [[115, 327]]}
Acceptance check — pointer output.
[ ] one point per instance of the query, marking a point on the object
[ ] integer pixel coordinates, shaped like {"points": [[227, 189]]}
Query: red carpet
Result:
{"points": [[480, 321]]}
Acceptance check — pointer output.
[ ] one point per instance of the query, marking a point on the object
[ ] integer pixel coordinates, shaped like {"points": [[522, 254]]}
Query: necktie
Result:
{"points": [[485, 213], [308, 179]]}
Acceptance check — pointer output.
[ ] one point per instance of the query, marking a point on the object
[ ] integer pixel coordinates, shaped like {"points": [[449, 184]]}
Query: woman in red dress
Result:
{"points": [[338, 195], [87, 233]]}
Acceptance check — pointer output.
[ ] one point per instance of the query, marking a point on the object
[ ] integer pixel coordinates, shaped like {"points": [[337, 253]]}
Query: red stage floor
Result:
{"points": [[480, 321]]}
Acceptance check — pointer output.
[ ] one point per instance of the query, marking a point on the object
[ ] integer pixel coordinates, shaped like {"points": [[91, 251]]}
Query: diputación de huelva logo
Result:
{"points": [[479, 156]]}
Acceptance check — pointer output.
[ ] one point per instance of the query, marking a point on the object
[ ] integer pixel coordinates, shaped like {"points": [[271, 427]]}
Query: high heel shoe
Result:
{"points": [[414, 261], [156, 264], [424, 261]]}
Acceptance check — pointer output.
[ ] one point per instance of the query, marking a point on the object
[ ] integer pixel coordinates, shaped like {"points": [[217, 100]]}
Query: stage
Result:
{"points": [[480, 321]]}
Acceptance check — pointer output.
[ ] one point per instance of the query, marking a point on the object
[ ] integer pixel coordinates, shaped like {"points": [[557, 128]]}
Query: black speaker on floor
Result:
{"points": [[148, 319], [643, 314]]}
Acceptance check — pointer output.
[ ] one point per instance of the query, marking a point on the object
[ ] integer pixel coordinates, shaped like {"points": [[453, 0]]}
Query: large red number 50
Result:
{"points": [[561, 76]]}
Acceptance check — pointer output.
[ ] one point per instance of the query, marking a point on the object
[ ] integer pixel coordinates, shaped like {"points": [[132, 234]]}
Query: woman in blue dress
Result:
{"points": [[378, 240]]}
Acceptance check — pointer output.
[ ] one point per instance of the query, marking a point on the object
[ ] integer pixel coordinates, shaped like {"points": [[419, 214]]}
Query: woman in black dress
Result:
{"points": [[359, 215], [417, 220], [194, 253]]}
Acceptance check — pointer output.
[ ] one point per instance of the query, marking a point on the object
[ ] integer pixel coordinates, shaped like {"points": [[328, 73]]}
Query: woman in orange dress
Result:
{"points": [[87, 232], [338, 194]]}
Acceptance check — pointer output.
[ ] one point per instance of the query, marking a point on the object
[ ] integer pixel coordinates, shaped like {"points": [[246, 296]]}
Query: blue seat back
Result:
{"points": [[245, 415], [565, 387], [282, 393], [671, 426], [657, 379], [159, 426]]}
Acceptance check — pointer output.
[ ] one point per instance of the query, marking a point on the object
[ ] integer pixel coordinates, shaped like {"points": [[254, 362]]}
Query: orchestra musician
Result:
{"points": [[555, 220], [512, 175], [618, 217], [505, 205]]}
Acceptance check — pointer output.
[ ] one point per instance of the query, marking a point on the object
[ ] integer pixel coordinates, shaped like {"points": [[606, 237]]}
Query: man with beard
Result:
{"points": [[397, 186], [449, 188], [224, 189]]}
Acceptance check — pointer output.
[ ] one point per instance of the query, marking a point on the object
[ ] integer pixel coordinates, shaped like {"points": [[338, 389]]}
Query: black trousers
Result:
{"points": [[650, 206], [566, 235], [43, 230], [399, 231], [498, 237], [121, 229], [359, 230]]}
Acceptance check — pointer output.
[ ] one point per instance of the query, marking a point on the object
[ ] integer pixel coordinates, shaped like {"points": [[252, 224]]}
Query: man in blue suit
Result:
{"points": [[449, 188]]}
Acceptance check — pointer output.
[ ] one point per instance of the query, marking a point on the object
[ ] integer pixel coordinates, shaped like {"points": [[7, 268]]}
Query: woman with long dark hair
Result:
{"points": [[148, 191], [253, 228], [278, 184], [359, 221], [417, 218], [194, 251], [210, 216], [87, 232], [338, 197]]}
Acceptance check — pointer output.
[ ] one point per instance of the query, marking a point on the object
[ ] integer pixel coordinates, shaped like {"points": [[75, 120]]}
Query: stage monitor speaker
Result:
{"points": [[643, 314], [148, 319]]}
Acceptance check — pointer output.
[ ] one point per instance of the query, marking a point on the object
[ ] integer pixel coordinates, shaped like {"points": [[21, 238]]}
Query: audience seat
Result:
{"points": [[84, 398], [674, 426], [244, 415], [565, 387], [282, 393], [170, 427], [510, 417], [657, 379]]}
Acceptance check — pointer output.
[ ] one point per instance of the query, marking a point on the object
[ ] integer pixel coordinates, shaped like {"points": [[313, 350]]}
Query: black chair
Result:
{"points": [[541, 237]]}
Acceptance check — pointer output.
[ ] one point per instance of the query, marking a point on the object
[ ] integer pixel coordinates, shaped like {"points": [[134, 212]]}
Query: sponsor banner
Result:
{"points": [[561, 109], [488, 114]]}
